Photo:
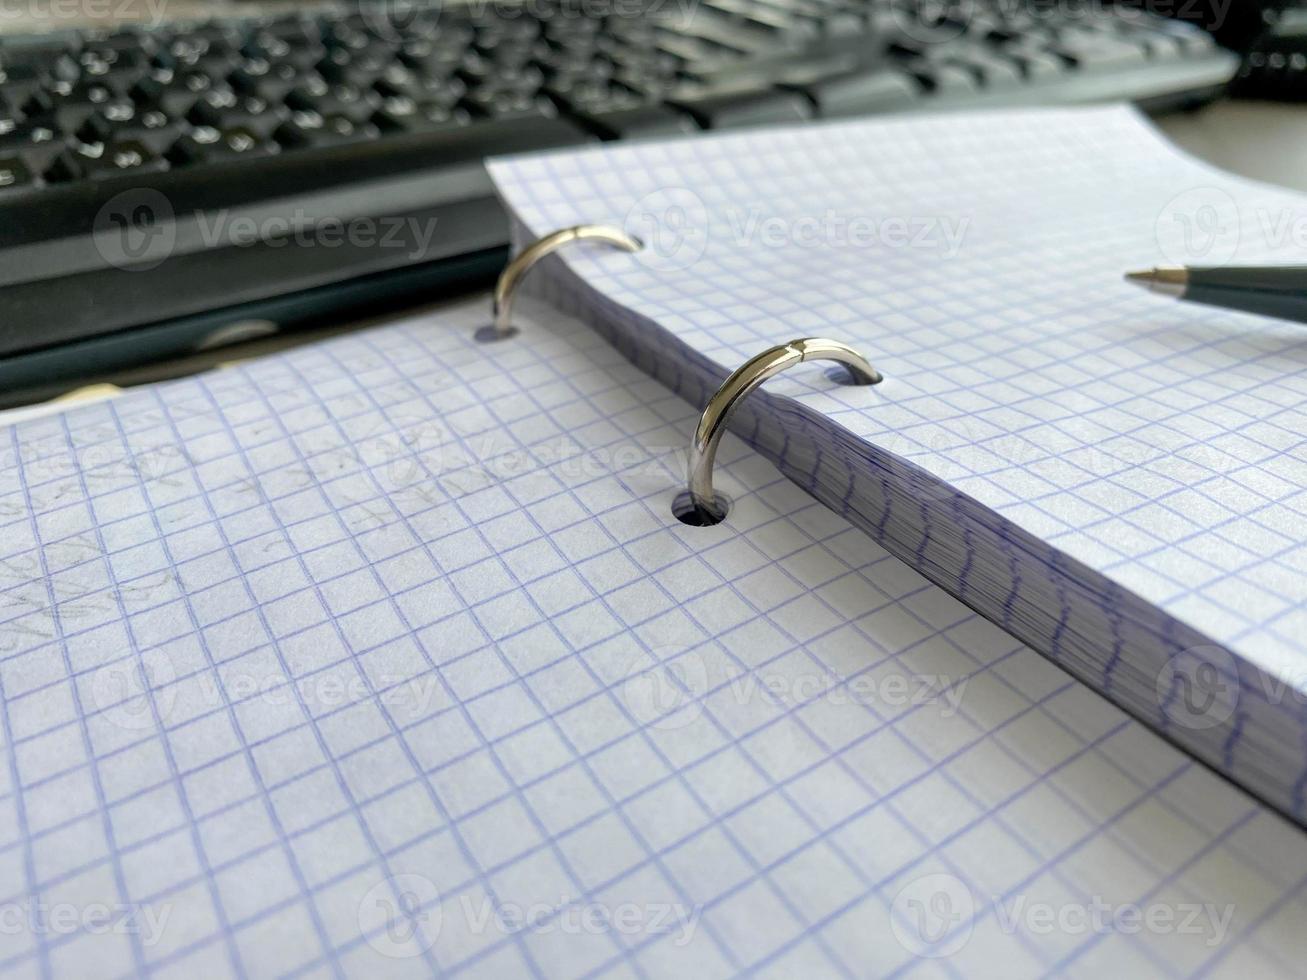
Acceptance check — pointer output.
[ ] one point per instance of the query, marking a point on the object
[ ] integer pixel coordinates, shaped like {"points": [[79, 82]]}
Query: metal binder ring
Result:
{"points": [[703, 447], [506, 287]]}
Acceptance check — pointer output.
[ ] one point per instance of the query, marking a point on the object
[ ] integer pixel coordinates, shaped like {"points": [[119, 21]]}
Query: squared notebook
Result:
{"points": [[387, 656]]}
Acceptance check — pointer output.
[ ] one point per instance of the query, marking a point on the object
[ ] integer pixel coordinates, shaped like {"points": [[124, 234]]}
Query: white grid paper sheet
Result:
{"points": [[384, 657], [977, 259]]}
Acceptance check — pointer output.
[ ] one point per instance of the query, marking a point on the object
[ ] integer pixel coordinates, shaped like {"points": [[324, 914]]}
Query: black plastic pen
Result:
{"points": [[1278, 291]]}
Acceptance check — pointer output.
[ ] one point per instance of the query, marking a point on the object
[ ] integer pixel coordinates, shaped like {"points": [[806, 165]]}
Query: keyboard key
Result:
{"points": [[244, 142], [224, 109], [165, 92], [648, 121], [400, 81], [727, 109], [342, 67], [25, 136], [314, 130], [854, 93], [126, 157], [427, 117], [991, 71], [439, 115], [96, 129], [23, 76], [500, 103], [397, 113], [429, 59], [334, 100], [302, 129], [87, 90], [1100, 52], [70, 164], [14, 174], [193, 147], [264, 79], [945, 80]]}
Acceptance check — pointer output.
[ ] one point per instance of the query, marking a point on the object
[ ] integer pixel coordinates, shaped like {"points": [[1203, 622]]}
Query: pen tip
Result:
{"points": [[1171, 282]]}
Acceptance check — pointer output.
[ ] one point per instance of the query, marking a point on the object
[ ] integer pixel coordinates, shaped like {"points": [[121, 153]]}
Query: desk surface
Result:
{"points": [[1264, 141]]}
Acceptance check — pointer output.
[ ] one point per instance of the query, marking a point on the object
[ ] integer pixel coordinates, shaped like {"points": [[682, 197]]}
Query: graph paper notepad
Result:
{"points": [[1119, 479], [386, 657]]}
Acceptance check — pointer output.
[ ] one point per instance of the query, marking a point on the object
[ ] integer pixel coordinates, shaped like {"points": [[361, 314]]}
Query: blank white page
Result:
{"points": [[386, 657]]}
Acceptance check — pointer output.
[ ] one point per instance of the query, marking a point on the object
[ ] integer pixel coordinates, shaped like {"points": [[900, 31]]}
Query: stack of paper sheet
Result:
{"points": [[1117, 478]]}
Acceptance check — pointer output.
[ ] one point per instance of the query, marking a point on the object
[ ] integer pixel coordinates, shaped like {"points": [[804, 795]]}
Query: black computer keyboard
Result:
{"points": [[1275, 62], [191, 130]]}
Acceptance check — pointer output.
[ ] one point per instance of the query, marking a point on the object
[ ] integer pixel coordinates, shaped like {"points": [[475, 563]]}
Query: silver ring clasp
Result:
{"points": [[511, 277], [768, 364]]}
